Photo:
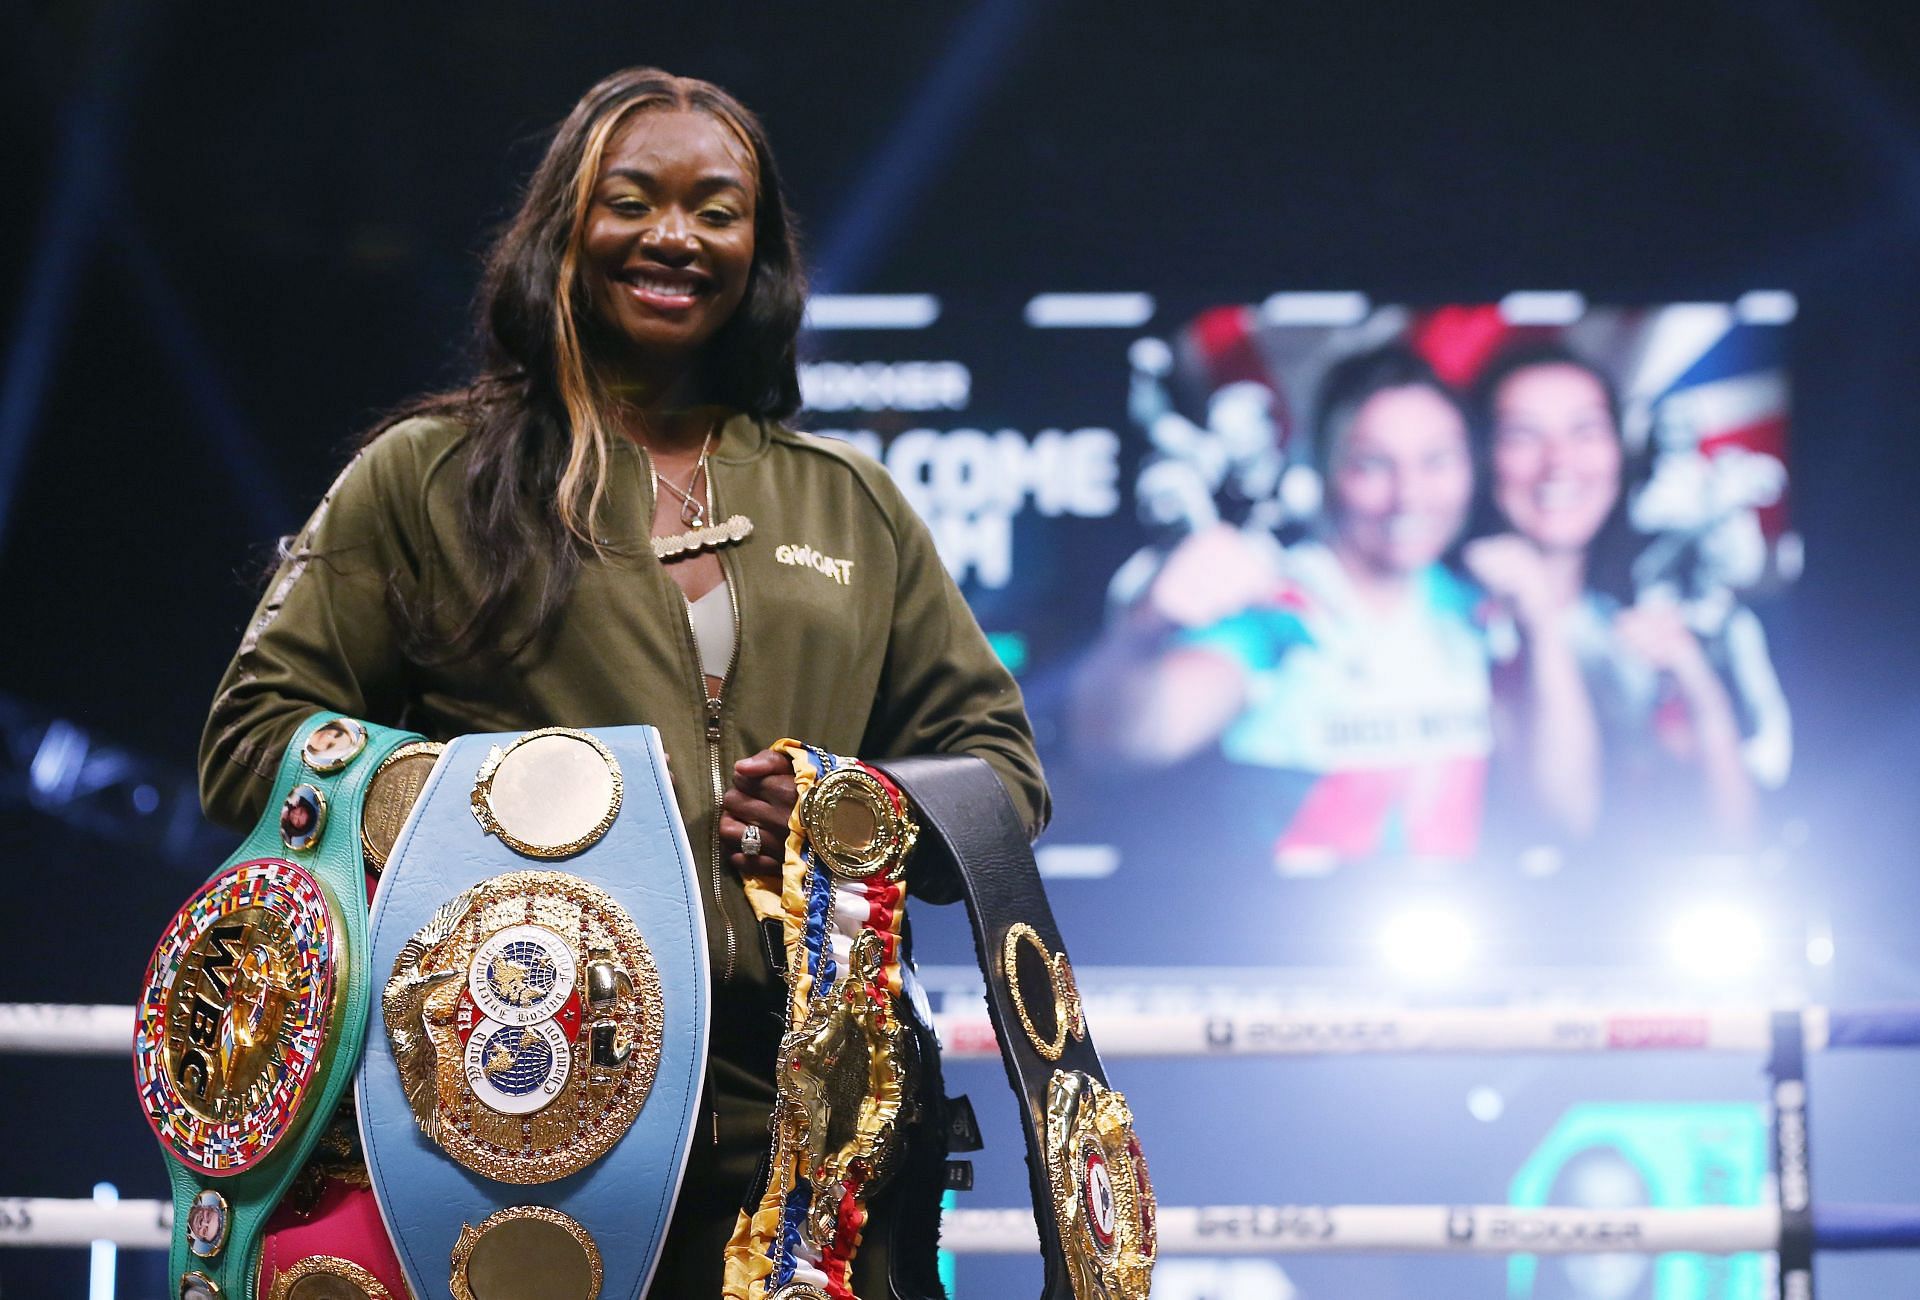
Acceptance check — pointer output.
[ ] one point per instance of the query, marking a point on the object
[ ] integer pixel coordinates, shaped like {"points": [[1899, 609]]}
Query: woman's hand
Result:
{"points": [[1211, 575], [1510, 567], [1656, 631], [762, 795], [1562, 734]]}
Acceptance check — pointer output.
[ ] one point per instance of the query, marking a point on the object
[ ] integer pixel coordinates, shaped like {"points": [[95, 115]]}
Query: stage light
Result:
{"points": [[1542, 307], [1332, 309], [871, 311], [1427, 942], [1718, 941], [1766, 307], [103, 1256], [1820, 950], [1485, 1103], [1089, 310]]}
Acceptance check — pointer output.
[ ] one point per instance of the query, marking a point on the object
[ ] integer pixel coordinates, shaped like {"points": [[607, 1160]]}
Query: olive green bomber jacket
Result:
{"points": [[852, 636]]}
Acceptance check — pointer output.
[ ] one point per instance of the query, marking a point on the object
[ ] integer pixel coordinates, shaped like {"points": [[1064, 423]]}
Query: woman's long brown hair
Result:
{"points": [[537, 414]]}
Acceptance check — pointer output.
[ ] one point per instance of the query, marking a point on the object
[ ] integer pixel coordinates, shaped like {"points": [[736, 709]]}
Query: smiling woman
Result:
{"points": [[668, 244], [1595, 668], [1342, 681], [548, 546]]}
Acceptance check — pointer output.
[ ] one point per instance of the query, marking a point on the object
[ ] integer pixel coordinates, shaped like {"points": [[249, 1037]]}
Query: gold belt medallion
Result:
{"points": [[549, 794], [525, 1019], [1102, 1196], [391, 793], [1045, 994], [237, 1014], [522, 1251], [856, 827], [327, 1277]]}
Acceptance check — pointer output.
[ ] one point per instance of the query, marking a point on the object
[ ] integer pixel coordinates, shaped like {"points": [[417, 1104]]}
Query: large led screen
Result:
{"points": [[1317, 587]]}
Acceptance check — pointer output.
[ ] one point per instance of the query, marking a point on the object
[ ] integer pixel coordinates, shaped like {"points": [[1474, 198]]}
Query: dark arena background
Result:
{"points": [[1081, 274]]}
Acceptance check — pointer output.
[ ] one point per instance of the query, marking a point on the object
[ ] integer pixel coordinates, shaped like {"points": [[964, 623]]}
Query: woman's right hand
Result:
{"points": [[763, 795]]}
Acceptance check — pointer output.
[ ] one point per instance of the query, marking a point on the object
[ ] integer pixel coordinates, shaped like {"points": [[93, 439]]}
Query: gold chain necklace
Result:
{"points": [[699, 535], [693, 513]]}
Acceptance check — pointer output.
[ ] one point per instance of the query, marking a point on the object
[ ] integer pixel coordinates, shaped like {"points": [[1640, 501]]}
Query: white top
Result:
{"points": [[713, 630], [1335, 685]]}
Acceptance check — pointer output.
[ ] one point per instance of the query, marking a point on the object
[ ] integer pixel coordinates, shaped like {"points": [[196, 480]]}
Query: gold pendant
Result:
{"points": [[713, 536]]}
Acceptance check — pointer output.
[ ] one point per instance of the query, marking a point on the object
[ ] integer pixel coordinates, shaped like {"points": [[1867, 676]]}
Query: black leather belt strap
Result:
{"points": [[969, 831]]}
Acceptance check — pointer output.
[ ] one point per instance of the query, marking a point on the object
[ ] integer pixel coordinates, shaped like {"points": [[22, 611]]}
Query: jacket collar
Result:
{"points": [[743, 438]]}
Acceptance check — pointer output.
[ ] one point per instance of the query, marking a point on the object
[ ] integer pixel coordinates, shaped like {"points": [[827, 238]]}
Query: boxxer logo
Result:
{"points": [[1460, 1225]]}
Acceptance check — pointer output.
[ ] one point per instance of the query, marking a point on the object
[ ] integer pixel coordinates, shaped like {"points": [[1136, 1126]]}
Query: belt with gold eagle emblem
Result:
{"points": [[528, 1108]]}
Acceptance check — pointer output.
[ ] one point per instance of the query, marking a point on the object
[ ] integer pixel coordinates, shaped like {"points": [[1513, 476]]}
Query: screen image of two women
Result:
{"points": [[1455, 642]]}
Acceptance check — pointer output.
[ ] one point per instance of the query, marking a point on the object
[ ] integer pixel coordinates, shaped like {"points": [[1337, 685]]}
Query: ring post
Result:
{"points": [[1793, 1172]]}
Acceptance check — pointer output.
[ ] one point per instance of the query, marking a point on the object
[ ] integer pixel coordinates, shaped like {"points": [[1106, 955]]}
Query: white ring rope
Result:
{"points": [[53, 1028], [1361, 1032], [49, 1221], [57, 1029], [1208, 1230], [49, 1028]]}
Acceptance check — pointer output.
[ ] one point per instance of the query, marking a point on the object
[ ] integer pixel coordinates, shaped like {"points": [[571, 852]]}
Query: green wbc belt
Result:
{"points": [[254, 1009]]}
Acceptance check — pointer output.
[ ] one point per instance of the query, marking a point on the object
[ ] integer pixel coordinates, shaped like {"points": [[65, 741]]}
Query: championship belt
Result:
{"points": [[527, 1110], [255, 1005], [1093, 1200], [849, 1062]]}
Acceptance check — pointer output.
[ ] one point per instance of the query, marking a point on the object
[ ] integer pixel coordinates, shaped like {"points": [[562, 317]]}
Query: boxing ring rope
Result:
{"points": [[1794, 1229], [1219, 1229], [58, 1029]]}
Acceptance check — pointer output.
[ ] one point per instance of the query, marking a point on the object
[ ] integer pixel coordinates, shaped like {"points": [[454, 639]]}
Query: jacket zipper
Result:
{"points": [[713, 706]]}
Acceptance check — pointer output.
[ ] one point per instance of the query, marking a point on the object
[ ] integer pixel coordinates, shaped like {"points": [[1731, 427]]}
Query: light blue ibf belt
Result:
{"points": [[528, 1095]]}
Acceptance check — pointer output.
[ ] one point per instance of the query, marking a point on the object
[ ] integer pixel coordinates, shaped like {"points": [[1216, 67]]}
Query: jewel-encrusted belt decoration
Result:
{"points": [[1103, 1201], [525, 1020], [848, 1064], [253, 1011]]}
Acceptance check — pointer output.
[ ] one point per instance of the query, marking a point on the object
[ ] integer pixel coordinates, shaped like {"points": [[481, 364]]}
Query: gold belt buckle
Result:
{"points": [[525, 1019]]}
